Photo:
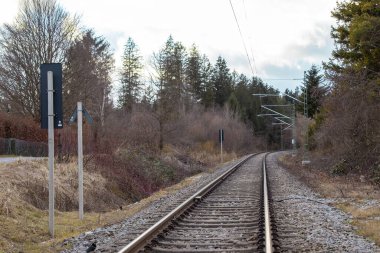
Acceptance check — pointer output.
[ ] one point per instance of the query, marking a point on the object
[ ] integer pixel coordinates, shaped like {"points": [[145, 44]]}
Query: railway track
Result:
{"points": [[230, 214]]}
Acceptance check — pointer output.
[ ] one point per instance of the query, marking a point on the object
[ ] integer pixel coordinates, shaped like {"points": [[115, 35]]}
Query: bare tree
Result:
{"points": [[41, 33]]}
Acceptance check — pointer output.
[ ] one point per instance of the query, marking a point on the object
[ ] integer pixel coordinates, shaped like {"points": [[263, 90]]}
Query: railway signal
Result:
{"points": [[55, 90]]}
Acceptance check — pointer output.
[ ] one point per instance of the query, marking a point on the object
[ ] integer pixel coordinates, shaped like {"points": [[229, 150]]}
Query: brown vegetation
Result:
{"points": [[24, 227], [14, 126], [123, 164], [346, 133]]}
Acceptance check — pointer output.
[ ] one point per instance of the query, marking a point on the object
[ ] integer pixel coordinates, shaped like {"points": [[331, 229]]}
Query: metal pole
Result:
{"points": [[80, 160], [294, 129], [282, 141], [306, 115], [51, 151], [305, 108], [221, 151]]}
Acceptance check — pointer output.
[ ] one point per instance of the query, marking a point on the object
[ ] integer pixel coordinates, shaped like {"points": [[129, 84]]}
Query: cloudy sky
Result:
{"points": [[283, 38]]}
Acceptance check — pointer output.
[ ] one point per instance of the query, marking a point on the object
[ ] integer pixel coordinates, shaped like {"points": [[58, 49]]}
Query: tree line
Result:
{"points": [[346, 122], [181, 78], [354, 70]]}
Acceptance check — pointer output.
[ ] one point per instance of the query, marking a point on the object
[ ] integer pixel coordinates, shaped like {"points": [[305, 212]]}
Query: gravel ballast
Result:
{"points": [[305, 221], [115, 237]]}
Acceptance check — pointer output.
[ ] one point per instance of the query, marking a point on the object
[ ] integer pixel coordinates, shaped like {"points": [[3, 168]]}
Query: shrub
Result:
{"points": [[352, 125], [19, 127], [340, 168]]}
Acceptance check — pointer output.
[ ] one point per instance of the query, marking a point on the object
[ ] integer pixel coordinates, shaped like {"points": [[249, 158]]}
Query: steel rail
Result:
{"points": [[141, 241], [268, 229]]}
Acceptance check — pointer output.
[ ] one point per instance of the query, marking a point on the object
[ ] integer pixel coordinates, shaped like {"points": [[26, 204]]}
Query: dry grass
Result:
{"points": [[29, 181], [366, 220], [24, 201], [328, 185], [351, 193], [24, 228]]}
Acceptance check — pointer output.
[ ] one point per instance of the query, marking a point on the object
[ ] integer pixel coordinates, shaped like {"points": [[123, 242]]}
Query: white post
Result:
{"points": [[51, 151], [80, 160], [294, 129], [281, 138]]}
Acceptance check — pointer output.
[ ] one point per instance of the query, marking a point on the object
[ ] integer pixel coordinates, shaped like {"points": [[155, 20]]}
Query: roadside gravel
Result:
{"points": [[306, 222]]}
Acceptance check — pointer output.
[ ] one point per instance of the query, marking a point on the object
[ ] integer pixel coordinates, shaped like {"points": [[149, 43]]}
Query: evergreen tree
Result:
{"points": [[244, 98], [222, 81], [169, 64], [148, 97], [179, 88], [88, 75], [356, 36], [207, 85], [130, 76], [194, 73], [233, 105], [314, 89]]}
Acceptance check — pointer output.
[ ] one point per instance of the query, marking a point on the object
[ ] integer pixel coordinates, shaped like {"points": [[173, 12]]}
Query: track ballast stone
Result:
{"points": [[115, 237], [306, 222]]}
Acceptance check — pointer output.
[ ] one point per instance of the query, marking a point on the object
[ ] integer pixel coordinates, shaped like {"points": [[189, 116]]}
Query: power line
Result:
{"points": [[249, 36], [282, 79], [242, 38]]}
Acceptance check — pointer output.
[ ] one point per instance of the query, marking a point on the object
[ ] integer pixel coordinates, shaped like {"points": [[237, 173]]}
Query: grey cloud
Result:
{"points": [[320, 33]]}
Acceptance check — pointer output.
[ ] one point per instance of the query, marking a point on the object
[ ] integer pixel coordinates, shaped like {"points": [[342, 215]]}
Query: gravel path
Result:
{"points": [[19, 158], [307, 222]]}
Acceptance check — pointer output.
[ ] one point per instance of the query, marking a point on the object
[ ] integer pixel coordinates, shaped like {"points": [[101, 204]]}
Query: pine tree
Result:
{"points": [[87, 75], [315, 90], [194, 73], [233, 105], [130, 76], [222, 81], [207, 91], [356, 36], [169, 64]]}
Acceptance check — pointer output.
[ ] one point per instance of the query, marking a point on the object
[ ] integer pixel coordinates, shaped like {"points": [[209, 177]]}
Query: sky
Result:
{"points": [[283, 38]]}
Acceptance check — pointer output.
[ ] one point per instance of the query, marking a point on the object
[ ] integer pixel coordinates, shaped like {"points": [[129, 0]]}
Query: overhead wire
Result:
{"points": [[249, 37], [282, 79], [241, 35]]}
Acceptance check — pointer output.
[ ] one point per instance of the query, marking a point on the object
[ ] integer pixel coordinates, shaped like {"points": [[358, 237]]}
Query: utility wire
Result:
{"points": [[249, 37], [281, 79], [241, 35]]}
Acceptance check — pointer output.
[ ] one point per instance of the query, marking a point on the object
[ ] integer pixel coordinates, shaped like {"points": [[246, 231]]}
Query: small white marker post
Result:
{"points": [[80, 159], [51, 151]]}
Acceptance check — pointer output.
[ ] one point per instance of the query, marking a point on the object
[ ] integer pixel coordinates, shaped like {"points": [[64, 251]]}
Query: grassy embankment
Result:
{"points": [[23, 188]]}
